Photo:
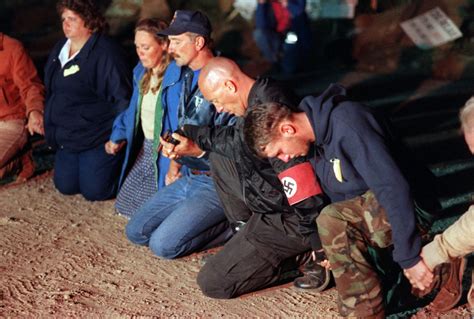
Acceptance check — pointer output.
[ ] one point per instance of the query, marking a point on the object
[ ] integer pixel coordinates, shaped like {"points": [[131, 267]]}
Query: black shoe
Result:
{"points": [[309, 265], [317, 278]]}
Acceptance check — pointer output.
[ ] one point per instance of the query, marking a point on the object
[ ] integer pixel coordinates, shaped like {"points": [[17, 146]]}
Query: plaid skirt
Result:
{"points": [[140, 184]]}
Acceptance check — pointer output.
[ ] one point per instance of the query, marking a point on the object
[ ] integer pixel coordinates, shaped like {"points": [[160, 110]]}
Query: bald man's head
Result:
{"points": [[223, 83], [216, 71]]}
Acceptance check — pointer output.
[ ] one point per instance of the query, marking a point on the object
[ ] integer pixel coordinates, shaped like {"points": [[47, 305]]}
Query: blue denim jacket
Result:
{"points": [[197, 111]]}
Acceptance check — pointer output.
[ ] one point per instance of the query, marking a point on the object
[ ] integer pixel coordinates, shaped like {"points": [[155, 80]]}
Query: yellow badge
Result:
{"points": [[71, 70], [336, 167]]}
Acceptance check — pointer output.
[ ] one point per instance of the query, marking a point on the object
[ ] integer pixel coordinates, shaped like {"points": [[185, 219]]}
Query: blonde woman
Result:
{"points": [[139, 127]]}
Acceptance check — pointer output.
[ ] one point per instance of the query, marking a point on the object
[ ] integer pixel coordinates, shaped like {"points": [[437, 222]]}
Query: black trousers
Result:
{"points": [[266, 251], [229, 188]]}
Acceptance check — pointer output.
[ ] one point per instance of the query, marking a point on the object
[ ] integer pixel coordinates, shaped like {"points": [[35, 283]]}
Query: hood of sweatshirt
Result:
{"points": [[320, 108]]}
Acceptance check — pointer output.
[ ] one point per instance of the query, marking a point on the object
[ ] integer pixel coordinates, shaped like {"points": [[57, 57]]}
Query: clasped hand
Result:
{"points": [[419, 275]]}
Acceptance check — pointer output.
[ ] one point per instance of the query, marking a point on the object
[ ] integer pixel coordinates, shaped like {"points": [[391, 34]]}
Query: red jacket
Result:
{"points": [[21, 90]]}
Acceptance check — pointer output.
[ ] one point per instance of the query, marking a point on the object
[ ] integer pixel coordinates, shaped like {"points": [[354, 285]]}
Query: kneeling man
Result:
{"points": [[371, 200]]}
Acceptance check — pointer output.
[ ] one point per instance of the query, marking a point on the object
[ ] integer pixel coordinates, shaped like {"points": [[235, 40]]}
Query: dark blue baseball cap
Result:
{"points": [[188, 21]]}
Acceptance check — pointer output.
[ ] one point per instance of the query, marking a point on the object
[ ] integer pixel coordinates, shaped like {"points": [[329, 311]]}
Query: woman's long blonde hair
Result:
{"points": [[153, 26]]}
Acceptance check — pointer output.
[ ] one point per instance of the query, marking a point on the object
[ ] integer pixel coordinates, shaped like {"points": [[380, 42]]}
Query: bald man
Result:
{"points": [[279, 227], [229, 88]]}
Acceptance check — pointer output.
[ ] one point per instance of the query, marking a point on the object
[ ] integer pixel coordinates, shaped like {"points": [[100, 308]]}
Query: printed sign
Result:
{"points": [[431, 29]]}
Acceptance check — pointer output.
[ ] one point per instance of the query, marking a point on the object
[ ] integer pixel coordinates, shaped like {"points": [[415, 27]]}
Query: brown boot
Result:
{"points": [[451, 289]]}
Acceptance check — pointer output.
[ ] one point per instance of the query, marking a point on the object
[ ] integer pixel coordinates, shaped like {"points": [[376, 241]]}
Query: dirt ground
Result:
{"points": [[62, 256], [65, 257]]}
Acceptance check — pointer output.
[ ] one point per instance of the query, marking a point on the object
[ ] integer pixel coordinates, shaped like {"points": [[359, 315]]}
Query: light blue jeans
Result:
{"points": [[181, 218]]}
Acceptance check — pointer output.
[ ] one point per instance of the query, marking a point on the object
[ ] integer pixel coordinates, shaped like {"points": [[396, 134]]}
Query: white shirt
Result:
{"points": [[64, 53], [148, 110]]}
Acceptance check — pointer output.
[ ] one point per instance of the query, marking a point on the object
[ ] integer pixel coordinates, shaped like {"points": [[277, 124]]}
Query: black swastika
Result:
{"points": [[288, 187]]}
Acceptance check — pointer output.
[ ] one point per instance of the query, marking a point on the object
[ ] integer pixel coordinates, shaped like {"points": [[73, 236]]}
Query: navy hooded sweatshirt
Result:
{"points": [[348, 132]]}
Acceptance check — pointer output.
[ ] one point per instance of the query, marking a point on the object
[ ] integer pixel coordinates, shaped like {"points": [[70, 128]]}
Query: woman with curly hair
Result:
{"points": [[140, 126], [88, 84]]}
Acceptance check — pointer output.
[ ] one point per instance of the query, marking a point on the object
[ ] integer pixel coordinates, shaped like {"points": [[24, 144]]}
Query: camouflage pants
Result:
{"points": [[347, 229]]}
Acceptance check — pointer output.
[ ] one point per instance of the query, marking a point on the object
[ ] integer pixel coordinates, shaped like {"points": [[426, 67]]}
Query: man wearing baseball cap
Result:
{"points": [[186, 215], [189, 21], [190, 36]]}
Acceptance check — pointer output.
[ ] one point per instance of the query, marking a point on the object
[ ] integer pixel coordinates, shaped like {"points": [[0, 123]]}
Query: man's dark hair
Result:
{"points": [[260, 124], [88, 11]]}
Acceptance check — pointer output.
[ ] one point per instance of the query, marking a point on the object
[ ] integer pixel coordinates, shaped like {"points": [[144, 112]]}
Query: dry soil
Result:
{"points": [[62, 257]]}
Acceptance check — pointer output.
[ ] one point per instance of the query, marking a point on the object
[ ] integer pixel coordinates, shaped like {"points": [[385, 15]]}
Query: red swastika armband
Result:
{"points": [[299, 183]]}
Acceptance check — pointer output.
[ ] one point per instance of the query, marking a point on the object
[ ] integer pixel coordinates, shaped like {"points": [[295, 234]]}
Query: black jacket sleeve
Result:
{"points": [[307, 210], [217, 139]]}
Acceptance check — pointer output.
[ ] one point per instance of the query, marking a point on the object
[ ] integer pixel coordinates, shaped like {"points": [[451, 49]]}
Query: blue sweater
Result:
{"points": [[84, 97], [347, 131]]}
